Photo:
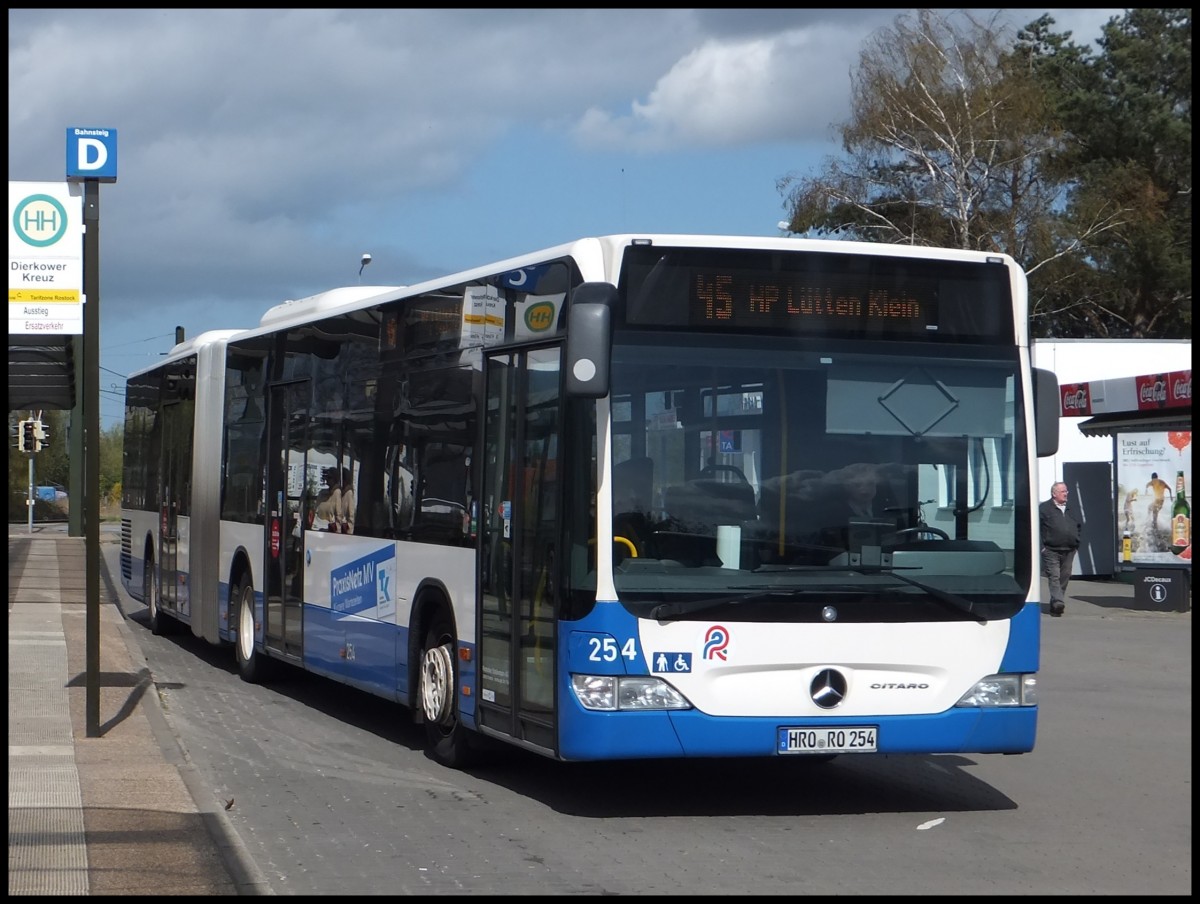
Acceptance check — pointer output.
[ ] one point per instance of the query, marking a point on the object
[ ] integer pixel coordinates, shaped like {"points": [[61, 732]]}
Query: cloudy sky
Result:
{"points": [[262, 152]]}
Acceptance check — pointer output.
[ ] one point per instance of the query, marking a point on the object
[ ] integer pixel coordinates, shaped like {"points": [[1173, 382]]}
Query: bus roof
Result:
{"points": [[188, 347], [598, 256], [314, 306]]}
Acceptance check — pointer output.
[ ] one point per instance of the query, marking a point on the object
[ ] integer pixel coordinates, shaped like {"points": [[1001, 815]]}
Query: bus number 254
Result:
{"points": [[604, 649]]}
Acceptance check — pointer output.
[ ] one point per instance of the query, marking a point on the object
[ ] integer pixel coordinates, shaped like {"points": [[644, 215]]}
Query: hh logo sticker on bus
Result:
{"points": [[539, 316]]}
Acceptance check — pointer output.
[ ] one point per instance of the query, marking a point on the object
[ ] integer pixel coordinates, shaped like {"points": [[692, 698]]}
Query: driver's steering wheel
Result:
{"points": [[922, 529], [710, 470]]}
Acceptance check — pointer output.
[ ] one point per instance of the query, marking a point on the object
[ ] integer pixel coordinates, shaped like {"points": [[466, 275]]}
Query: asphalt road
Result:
{"points": [[333, 794]]}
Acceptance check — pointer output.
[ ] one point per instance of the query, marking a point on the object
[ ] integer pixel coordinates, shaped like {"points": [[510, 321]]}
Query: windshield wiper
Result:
{"points": [[668, 611], [953, 600]]}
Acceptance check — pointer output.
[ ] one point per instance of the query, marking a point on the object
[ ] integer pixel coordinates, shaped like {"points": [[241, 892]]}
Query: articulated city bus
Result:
{"points": [[637, 496]]}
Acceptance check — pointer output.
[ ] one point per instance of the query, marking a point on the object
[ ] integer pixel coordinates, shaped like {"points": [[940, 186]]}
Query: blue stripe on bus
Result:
{"points": [[597, 736], [379, 663], [1024, 641], [362, 652], [373, 656], [590, 735]]}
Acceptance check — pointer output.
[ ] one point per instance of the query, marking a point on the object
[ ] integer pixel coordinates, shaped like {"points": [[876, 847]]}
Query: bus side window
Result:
{"points": [[441, 514]]}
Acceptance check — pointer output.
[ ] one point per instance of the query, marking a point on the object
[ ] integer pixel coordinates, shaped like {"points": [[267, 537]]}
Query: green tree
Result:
{"points": [[940, 149], [959, 137], [1126, 119], [112, 442]]}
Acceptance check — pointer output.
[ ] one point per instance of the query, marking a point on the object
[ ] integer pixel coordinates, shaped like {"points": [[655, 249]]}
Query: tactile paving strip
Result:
{"points": [[47, 853]]}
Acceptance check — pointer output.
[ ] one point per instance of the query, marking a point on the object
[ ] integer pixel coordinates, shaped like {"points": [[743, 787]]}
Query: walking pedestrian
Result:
{"points": [[1060, 541]]}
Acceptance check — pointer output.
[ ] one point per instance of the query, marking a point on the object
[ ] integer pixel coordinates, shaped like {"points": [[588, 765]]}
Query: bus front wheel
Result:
{"points": [[445, 738], [250, 662]]}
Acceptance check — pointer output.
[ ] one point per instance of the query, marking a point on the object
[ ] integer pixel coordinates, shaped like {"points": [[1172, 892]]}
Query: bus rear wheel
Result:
{"points": [[160, 622], [446, 739]]}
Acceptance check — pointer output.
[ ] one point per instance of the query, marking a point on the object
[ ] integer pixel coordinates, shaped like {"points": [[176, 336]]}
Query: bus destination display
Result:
{"points": [[783, 300], [806, 293]]}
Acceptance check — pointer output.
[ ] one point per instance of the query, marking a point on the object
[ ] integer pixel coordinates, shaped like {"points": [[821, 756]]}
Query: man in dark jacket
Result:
{"points": [[1060, 540]]}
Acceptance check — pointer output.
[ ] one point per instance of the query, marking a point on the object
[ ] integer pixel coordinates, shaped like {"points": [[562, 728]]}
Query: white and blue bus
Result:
{"points": [[595, 500]]}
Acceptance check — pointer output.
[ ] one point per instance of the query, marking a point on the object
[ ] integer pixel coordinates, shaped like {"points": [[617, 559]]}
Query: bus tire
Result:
{"points": [[250, 662], [160, 623], [446, 740]]}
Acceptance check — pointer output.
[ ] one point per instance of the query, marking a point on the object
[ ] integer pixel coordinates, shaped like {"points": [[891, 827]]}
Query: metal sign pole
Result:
{"points": [[90, 390]]}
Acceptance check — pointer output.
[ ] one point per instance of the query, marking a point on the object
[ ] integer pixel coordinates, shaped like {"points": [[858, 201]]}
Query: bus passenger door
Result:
{"points": [[519, 531], [175, 474], [287, 474]]}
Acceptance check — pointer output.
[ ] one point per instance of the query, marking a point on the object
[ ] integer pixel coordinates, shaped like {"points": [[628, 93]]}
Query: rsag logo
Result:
{"points": [[716, 643]]}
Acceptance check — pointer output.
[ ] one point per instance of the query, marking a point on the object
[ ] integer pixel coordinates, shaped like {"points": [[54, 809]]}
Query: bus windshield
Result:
{"points": [[768, 477]]}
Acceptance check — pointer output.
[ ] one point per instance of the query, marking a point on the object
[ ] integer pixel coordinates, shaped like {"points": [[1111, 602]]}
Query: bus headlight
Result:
{"points": [[626, 692], [1002, 690]]}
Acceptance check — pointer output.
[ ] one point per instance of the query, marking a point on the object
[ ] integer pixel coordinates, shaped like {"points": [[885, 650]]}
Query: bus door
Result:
{"points": [[175, 474], [518, 549], [287, 477]]}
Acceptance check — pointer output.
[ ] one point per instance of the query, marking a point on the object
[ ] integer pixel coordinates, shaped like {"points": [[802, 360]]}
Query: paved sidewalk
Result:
{"points": [[106, 815]]}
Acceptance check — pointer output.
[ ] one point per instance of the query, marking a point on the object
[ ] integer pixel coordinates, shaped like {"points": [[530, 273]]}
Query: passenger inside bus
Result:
{"points": [[857, 489], [345, 509], [861, 514], [328, 501]]}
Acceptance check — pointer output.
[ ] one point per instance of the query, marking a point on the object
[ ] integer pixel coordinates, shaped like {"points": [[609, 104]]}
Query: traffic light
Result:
{"points": [[41, 435], [28, 440]]}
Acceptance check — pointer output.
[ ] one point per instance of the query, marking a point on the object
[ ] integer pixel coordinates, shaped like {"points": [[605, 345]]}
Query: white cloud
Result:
{"points": [[787, 87], [792, 85]]}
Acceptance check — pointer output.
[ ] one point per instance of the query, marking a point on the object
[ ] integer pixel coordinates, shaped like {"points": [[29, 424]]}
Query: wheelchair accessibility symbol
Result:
{"points": [[671, 662]]}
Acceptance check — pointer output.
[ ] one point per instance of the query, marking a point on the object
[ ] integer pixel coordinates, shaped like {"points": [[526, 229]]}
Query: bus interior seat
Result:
{"points": [[700, 505], [795, 508], [633, 485]]}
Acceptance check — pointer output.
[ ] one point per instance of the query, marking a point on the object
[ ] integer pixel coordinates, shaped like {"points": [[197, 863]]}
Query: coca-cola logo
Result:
{"points": [[1153, 393], [1076, 400], [1181, 389]]}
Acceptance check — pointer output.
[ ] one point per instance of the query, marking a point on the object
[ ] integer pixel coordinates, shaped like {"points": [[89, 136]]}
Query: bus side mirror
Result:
{"points": [[1047, 408], [589, 340]]}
